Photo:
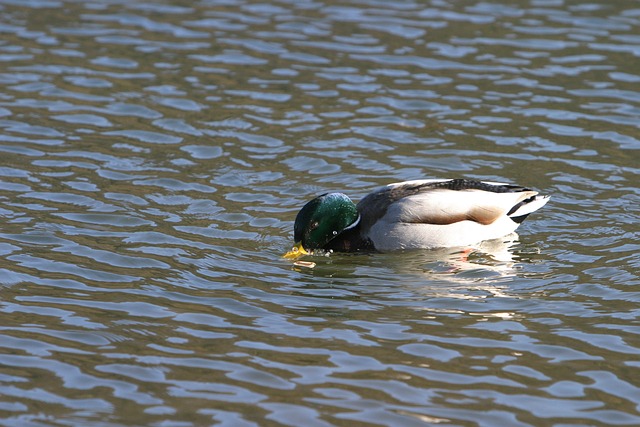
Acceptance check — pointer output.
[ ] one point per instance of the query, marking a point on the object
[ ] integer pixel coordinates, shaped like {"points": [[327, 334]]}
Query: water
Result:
{"points": [[154, 156]]}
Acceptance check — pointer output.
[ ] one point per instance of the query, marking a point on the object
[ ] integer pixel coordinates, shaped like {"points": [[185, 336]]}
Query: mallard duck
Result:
{"points": [[430, 213]]}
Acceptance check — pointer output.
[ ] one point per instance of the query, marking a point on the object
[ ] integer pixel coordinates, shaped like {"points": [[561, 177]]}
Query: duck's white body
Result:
{"points": [[419, 214]]}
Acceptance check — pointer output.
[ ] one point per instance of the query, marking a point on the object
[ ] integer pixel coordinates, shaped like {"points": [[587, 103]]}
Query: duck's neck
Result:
{"points": [[350, 240]]}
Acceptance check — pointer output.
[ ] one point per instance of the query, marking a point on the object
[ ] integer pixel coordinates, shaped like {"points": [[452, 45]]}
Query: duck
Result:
{"points": [[418, 214]]}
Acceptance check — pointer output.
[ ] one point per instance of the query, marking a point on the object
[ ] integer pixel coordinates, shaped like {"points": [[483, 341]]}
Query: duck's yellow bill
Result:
{"points": [[296, 252]]}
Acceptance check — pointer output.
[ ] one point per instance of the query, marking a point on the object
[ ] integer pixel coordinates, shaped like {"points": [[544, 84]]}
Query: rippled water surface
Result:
{"points": [[153, 157]]}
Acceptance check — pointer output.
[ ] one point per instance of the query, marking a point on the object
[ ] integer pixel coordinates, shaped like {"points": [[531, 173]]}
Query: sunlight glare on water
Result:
{"points": [[154, 156]]}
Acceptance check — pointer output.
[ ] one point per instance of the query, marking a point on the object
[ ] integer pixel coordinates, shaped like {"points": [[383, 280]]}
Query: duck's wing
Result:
{"points": [[442, 202]]}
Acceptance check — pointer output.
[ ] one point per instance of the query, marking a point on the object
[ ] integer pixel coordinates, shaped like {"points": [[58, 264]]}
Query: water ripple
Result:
{"points": [[154, 157]]}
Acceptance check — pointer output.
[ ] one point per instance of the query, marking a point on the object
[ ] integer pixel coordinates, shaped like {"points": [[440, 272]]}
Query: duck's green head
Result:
{"points": [[321, 220]]}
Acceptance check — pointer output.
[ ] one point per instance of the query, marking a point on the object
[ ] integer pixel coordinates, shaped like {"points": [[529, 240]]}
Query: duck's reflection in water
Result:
{"points": [[471, 272], [479, 271]]}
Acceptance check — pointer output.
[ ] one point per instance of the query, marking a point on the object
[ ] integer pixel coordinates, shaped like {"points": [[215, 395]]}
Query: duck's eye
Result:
{"points": [[335, 233]]}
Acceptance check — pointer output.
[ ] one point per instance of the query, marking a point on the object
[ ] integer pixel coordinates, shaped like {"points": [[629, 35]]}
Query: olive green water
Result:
{"points": [[153, 157]]}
